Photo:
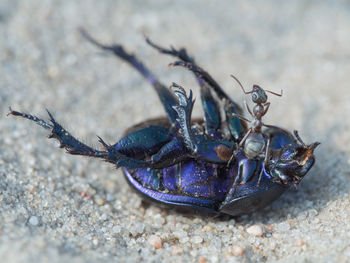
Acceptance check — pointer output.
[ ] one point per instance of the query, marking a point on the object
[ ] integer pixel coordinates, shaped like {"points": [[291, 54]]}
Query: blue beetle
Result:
{"points": [[215, 165]]}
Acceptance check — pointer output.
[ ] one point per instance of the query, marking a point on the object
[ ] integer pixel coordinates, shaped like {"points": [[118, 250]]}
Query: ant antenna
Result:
{"points": [[274, 93], [248, 92], [240, 84]]}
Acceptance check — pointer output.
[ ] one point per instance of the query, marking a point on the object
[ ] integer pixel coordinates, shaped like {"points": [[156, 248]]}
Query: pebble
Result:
{"points": [[283, 227], [299, 243], [197, 239], [184, 240], [237, 251], [100, 201], [110, 197], [176, 250], [155, 241], [116, 229], [95, 242], [313, 213], [255, 230], [33, 220], [207, 228], [158, 220], [180, 234]]}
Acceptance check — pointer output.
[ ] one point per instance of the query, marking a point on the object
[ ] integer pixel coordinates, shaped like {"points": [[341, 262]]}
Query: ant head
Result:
{"points": [[258, 95]]}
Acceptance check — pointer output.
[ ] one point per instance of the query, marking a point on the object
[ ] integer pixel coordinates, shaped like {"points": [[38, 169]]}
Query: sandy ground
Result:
{"points": [[55, 207]]}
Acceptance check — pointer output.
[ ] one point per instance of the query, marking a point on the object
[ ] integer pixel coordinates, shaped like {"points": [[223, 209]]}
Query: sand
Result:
{"points": [[60, 208]]}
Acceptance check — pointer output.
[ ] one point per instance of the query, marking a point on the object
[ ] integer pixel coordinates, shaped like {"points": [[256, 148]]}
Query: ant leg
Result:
{"points": [[265, 160], [239, 145], [240, 117], [267, 108], [245, 137], [167, 98], [248, 109], [210, 106]]}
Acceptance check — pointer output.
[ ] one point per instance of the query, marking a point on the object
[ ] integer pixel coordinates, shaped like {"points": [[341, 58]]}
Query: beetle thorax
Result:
{"points": [[254, 145]]}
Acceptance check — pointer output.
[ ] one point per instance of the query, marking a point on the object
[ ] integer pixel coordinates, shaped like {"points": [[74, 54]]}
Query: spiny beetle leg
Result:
{"points": [[67, 141], [198, 71], [181, 53], [237, 128], [75, 147], [211, 110], [210, 106], [143, 142], [167, 152], [167, 98], [171, 153], [199, 148], [184, 111]]}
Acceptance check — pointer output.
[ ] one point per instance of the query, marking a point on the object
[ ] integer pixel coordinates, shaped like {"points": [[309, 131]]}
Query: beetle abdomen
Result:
{"points": [[191, 178]]}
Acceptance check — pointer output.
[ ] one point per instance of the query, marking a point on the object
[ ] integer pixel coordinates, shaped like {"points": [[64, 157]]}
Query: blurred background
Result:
{"points": [[58, 207]]}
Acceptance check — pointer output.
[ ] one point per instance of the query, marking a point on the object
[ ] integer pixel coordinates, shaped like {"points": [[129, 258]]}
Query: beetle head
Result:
{"points": [[292, 162]]}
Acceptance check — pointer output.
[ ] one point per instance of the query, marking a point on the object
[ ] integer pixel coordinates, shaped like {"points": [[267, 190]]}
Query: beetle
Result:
{"points": [[199, 165]]}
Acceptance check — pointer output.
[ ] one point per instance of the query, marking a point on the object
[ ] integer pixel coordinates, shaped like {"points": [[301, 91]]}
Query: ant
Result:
{"points": [[255, 141]]}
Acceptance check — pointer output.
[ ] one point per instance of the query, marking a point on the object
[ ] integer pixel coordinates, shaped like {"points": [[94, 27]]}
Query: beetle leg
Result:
{"points": [[75, 147], [210, 105], [167, 154], [187, 61], [237, 128], [144, 142], [67, 141], [184, 111], [171, 153], [181, 53], [265, 160], [211, 110], [167, 98]]}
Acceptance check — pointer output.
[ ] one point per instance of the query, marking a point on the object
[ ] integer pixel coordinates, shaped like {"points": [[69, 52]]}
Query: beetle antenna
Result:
{"points": [[274, 93], [240, 84]]}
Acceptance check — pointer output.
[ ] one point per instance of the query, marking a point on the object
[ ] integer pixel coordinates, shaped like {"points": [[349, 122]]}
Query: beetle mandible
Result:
{"points": [[185, 163]]}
